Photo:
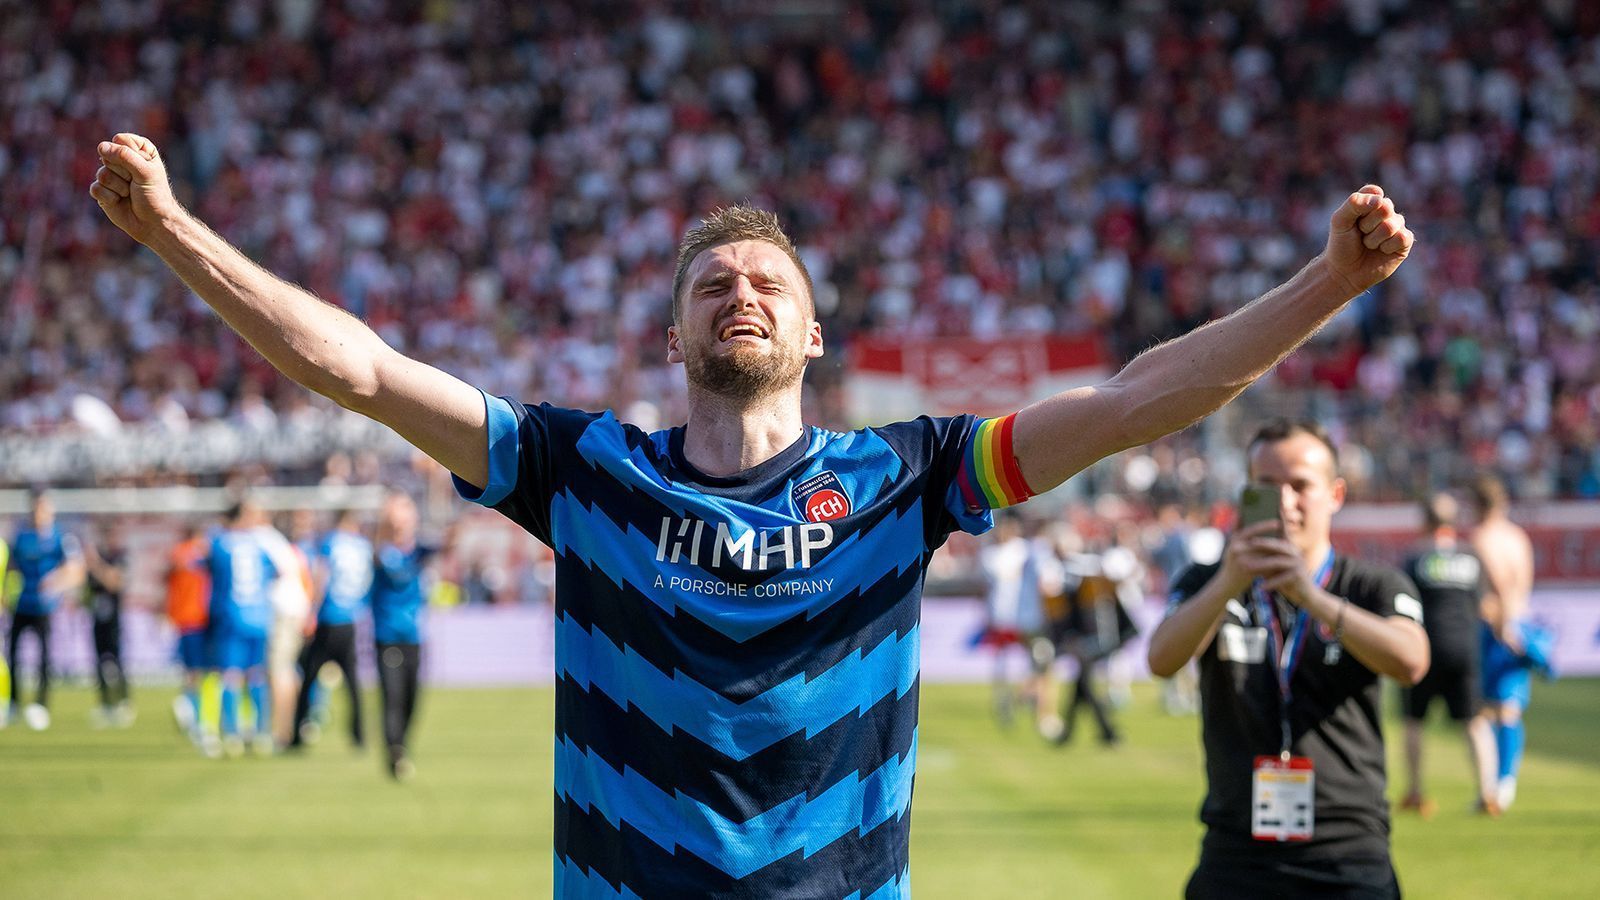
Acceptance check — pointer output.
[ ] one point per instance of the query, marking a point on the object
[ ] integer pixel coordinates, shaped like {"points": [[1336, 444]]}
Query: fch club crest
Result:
{"points": [[821, 498]]}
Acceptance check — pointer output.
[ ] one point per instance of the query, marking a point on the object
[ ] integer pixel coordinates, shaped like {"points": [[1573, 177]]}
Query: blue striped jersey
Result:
{"points": [[737, 662]]}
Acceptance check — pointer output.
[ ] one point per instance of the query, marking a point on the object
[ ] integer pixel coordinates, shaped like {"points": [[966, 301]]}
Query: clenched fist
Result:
{"points": [[1367, 239], [131, 186]]}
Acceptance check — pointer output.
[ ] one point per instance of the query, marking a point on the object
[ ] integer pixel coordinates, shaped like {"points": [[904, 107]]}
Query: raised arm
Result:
{"points": [[1175, 384], [318, 345]]}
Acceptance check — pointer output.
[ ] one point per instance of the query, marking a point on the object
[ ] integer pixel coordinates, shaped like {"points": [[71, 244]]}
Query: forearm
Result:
{"points": [[1177, 383], [316, 344], [1187, 630], [1394, 646]]}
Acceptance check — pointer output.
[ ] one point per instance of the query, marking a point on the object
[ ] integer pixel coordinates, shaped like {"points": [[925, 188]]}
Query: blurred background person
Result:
{"points": [[188, 594], [305, 532], [1001, 558], [342, 573], [106, 575], [242, 573], [1507, 557], [291, 607], [50, 563], [1096, 626], [1450, 579], [398, 601]]}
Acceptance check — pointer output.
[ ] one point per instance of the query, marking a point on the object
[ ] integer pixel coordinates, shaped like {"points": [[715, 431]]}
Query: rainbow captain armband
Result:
{"points": [[989, 477]]}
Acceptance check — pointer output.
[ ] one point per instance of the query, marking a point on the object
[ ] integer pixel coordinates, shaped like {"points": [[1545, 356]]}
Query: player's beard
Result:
{"points": [[746, 371]]}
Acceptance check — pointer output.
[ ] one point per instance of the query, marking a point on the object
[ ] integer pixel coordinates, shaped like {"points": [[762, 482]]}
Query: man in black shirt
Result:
{"points": [[105, 580], [1291, 639], [1451, 581]]}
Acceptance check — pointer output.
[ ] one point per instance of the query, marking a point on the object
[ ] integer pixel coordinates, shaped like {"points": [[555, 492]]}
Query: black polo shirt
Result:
{"points": [[1333, 719]]}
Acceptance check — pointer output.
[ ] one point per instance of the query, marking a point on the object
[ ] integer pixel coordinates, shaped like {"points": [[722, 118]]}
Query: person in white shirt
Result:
{"points": [[291, 604]]}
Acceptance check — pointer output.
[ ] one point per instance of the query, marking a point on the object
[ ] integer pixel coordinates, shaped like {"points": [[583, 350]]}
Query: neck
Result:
{"points": [[1445, 537], [1315, 552], [726, 435]]}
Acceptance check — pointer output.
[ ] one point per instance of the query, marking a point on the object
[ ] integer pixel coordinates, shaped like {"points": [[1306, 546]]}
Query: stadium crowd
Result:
{"points": [[499, 189]]}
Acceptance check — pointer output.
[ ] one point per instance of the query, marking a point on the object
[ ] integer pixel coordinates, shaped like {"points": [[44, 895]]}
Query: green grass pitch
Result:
{"points": [[135, 814]]}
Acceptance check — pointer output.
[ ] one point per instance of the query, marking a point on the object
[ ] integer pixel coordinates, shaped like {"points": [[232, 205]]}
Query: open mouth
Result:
{"points": [[742, 329]]}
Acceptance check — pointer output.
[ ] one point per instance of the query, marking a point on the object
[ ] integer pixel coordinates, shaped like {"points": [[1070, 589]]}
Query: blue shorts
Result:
{"points": [[1506, 676], [193, 650], [231, 650]]}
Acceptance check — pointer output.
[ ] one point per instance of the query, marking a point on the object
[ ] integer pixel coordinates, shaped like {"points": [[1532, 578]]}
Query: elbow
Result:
{"points": [[1160, 668], [1415, 667], [1415, 671], [352, 383], [1421, 659], [1160, 659]]}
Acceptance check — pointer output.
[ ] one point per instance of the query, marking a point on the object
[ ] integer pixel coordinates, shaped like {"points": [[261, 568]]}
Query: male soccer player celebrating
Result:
{"points": [[1291, 640], [737, 605]]}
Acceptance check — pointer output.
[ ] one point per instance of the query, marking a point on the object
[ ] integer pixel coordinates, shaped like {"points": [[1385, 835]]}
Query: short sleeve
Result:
{"points": [[526, 448], [1396, 595], [1187, 583], [504, 454], [935, 446]]}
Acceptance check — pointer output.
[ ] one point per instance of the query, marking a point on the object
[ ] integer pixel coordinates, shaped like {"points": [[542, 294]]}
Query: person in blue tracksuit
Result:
{"points": [[398, 600]]}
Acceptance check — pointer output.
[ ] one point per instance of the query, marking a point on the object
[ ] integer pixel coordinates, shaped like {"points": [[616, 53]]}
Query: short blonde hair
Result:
{"points": [[724, 226]]}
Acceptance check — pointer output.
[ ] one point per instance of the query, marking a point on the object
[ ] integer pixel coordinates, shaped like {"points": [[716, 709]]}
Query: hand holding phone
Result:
{"points": [[1260, 503]]}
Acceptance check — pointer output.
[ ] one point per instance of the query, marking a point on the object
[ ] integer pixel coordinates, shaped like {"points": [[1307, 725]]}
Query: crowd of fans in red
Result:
{"points": [[499, 189]]}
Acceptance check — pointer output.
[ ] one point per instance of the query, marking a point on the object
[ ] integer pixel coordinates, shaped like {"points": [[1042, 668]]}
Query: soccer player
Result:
{"points": [[51, 564], [107, 576], [397, 604], [291, 607], [241, 617], [1507, 557], [342, 570], [1001, 561], [189, 610], [1450, 580], [737, 597], [1291, 639]]}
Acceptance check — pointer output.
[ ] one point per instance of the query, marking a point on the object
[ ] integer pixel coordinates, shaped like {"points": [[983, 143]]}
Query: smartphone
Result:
{"points": [[1260, 503]]}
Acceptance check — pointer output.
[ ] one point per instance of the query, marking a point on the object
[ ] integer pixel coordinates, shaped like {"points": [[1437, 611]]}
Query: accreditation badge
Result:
{"points": [[1281, 799]]}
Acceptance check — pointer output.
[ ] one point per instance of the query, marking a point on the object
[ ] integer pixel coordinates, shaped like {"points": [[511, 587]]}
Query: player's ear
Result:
{"points": [[1338, 489], [814, 340], [674, 349]]}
